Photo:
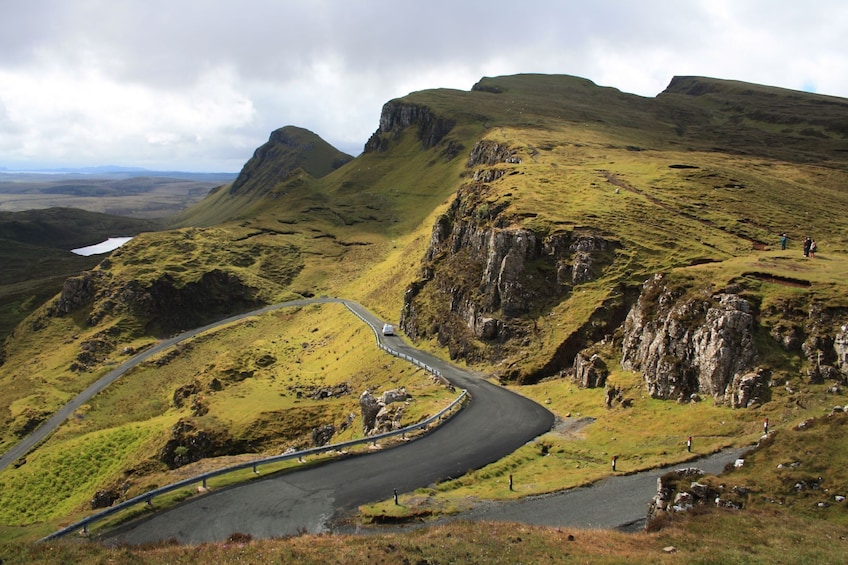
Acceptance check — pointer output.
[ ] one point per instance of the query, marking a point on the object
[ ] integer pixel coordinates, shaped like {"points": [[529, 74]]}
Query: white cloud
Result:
{"points": [[199, 84]]}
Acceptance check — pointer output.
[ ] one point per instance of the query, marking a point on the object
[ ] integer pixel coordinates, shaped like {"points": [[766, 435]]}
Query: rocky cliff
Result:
{"points": [[685, 346], [687, 342], [163, 306], [485, 275], [398, 115]]}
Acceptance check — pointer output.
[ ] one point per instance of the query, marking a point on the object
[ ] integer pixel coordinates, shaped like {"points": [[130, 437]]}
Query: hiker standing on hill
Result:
{"points": [[813, 248], [807, 243], [689, 444], [783, 239]]}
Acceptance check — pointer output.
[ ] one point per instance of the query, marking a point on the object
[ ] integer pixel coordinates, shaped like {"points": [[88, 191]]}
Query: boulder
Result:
{"points": [[749, 389], [590, 372]]}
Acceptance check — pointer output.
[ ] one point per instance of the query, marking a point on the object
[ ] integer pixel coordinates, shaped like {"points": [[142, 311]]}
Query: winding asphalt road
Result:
{"points": [[494, 424]]}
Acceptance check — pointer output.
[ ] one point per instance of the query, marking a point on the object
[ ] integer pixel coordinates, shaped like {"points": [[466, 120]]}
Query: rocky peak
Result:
{"points": [[287, 150]]}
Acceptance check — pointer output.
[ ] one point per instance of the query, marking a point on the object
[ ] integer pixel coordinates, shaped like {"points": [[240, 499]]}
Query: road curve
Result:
{"points": [[495, 423]]}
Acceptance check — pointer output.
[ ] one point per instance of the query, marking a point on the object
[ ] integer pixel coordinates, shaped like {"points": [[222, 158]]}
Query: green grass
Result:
{"points": [[59, 478]]}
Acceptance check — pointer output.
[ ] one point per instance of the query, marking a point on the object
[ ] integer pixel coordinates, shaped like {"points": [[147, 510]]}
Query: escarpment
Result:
{"points": [[165, 303], [397, 116], [485, 276]]}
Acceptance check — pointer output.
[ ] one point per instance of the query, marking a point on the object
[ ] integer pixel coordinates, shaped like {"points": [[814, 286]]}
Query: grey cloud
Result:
{"points": [[329, 65]]}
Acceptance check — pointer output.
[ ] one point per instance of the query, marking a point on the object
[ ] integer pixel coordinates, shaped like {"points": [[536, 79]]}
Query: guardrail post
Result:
{"points": [[149, 501], [255, 472], [204, 483]]}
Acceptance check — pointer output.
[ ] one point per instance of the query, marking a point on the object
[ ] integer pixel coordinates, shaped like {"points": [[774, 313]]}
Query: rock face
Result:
{"points": [[167, 304], [397, 116], [684, 345], [483, 273], [76, 292], [192, 442], [750, 389]]}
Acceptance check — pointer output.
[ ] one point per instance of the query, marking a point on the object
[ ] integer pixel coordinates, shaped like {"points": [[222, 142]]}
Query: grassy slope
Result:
{"points": [[590, 158], [34, 253]]}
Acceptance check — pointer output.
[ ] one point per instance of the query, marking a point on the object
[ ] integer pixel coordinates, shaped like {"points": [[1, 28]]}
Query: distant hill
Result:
{"points": [[291, 157], [35, 253], [288, 149], [123, 192]]}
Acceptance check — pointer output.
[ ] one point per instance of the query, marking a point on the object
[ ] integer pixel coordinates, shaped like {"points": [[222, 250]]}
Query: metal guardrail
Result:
{"points": [[147, 497]]}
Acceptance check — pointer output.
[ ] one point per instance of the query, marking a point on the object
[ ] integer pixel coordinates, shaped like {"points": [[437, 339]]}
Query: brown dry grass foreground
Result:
{"points": [[712, 537]]}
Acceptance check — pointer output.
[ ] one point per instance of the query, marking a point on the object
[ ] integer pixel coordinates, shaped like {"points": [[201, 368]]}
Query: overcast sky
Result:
{"points": [[199, 84]]}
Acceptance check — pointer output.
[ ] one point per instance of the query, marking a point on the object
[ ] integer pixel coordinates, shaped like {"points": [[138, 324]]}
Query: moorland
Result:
{"points": [[614, 257]]}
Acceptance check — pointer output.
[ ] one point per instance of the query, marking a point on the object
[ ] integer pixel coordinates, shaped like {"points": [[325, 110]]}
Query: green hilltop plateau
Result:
{"points": [[635, 264]]}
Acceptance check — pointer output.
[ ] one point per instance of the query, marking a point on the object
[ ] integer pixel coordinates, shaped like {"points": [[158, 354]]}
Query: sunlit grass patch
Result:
{"points": [[59, 479]]}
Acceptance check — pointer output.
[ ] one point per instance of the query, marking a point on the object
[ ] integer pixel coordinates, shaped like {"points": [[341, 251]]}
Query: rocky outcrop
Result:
{"points": [[483, 273], [589, 371], [686, 345], [76, 292], [818, 332], [322, 435], [668, 498], [750, 389], [378, 415], [191, 441], [489, 153], [165, 303], [104, 498], [397, 116]]}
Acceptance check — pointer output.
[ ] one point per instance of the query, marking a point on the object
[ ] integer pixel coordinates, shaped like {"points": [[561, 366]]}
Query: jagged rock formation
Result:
{"points": [[483, 273], [323, 434], [589, 372], [817, 332], [378, 415], [668, 499], [750, 389], [688, 345], [166, 303], [397, 115], [192, 442]]}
